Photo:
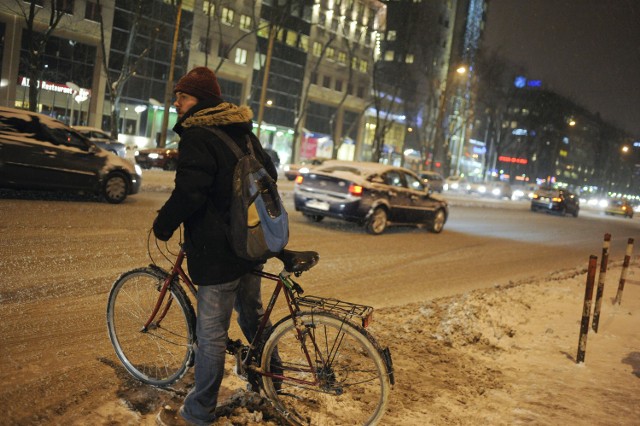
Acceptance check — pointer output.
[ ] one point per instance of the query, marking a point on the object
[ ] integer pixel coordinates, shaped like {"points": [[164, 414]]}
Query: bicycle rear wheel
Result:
{"points": [[352, 384], [162, 354]]}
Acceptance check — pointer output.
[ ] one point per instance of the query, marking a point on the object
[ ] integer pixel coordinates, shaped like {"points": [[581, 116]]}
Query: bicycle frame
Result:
{"points": [[282, 281]]}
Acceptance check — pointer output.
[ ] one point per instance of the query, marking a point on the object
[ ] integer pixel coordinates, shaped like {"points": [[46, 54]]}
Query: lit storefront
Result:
{"points": [[56, 100]]}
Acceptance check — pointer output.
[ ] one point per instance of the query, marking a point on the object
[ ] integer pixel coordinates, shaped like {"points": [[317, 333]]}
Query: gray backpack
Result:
{"points": [[258, 225]]}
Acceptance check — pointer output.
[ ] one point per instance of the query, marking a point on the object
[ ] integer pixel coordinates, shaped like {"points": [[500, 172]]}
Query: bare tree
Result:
{"points": [[37, 42], [387, 104], [130, 63]]}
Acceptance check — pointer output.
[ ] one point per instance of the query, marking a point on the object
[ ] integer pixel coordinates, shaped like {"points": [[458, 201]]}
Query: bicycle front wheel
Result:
{"points": [[161, 354], [343, 382]]}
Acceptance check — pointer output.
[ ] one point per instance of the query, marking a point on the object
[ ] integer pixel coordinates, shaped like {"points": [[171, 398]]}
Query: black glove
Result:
{"points": [[161, 234]]}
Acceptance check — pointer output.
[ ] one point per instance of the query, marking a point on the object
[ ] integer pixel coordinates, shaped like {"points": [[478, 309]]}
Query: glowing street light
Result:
{"points": [[75, 89]]}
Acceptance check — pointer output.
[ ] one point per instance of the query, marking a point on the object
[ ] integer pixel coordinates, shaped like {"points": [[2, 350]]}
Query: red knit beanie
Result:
{"points": [[200, 82]]}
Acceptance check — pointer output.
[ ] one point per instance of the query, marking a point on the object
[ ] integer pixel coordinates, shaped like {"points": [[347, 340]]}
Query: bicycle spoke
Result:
{"points": [[347, 383], [158, 355]]}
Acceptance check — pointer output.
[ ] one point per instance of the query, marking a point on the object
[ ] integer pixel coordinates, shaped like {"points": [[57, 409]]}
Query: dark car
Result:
{"points": [[374, 195], [38, 152], [164, 158], [620, 207], [433, 179], [102, 139], [555, 200], [274, 156]]}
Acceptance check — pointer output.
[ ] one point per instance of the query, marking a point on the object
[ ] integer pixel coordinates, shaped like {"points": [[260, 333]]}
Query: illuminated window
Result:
{"points": [[364, 65], [331, 52], [292, 38], [227, 16], [208, 7], [263, 30], [241, 56], [342, 58], [317, 48], [388, 55], [304, 42], [245, 22], [391, 35], [409, 58]]}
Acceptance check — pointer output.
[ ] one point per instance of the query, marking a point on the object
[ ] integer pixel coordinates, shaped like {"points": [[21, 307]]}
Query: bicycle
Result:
{"points": [[331, 369]]}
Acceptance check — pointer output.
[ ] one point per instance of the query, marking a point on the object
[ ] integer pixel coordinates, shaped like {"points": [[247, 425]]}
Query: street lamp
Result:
{"points": [[74, 89], [139, 109], [155, 104], [438, 141]]}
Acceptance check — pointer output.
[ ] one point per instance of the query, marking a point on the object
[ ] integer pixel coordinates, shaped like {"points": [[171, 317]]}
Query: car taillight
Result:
{"points": [[355, 189], [299, 179]]}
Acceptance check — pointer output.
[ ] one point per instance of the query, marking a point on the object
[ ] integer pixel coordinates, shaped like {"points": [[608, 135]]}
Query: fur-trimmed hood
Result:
{"points": [[220, 115]]}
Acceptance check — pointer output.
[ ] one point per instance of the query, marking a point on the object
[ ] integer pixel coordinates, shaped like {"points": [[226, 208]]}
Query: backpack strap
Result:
{"points": [[224, 137]]}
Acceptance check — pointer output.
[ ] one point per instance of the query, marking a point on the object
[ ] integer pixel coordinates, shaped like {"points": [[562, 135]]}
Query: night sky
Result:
{"points": [[586, 50]]}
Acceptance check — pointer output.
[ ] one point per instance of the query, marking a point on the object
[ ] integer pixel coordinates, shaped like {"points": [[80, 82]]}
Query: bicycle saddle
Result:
{"points": [[298, 261]]}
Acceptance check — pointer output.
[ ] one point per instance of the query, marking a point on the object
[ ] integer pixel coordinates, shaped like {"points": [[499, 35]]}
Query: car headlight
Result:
{"points": [[286, 168], [154, 156], [303, 170], [496, 191], [136, 153], [138, 169]]}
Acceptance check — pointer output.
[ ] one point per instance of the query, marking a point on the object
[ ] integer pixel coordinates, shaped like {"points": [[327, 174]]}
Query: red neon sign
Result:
{"points": [[505, 159]]}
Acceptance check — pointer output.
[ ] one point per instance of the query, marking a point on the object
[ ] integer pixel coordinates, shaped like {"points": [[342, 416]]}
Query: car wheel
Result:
{"points": [[170, 165], [438, 222], [115, 188], [377, 223], [575, 212], [314, 217], [533, 209]]}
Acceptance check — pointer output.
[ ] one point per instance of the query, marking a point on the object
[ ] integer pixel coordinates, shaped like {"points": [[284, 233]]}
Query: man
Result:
{"points": [[201, 201]]}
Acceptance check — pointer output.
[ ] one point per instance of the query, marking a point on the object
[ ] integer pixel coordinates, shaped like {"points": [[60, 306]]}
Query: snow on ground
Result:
{"points": [[500, 356]]}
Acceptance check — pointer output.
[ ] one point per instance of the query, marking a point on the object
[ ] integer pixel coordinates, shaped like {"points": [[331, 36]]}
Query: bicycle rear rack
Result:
{"points": [[344, 310]]}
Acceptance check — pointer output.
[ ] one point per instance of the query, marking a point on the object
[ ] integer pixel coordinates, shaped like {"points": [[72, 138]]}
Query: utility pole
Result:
{"points": [[168, 93]]}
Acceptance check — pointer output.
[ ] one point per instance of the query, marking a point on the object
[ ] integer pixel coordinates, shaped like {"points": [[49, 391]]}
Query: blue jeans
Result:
{"points": [[215, 305]]}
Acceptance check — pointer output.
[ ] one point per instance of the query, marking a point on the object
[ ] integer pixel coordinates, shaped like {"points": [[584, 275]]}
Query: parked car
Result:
{"points": [[38, 152], [292, 170], [102, 139], [165, 158], [371, 194], [433, 179], [274, 156], [555, 200], [620, 207]]}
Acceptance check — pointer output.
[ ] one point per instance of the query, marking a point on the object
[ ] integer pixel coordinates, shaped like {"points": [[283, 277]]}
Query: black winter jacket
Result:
{"points": [[202, 194]]}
